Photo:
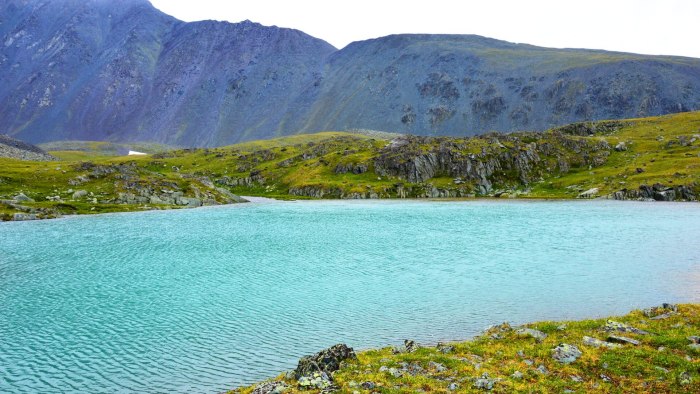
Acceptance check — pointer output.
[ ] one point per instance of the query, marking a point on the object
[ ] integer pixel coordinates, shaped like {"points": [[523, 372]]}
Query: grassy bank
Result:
{"points": [[651, 351], [593, 159]]}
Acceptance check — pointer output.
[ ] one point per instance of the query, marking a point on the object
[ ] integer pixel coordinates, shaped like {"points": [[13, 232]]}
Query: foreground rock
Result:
{"points": [[326, 361]]}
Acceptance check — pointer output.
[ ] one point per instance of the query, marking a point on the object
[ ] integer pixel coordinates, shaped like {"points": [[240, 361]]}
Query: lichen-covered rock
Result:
{"points": [[612, 325], [327, 360], [316, 380], [594, 342], [532, 333], [566, 354], [271, 388]]}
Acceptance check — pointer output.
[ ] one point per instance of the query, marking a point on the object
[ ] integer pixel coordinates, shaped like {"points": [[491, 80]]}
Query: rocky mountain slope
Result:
{"points": [[124, 71], [16, 149]]}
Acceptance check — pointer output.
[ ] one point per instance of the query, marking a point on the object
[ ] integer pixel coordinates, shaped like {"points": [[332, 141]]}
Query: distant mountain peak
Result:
{"points": [[124, 71]]}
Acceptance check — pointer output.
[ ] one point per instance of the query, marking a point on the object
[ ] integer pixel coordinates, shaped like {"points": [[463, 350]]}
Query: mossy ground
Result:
{"points": [[655, 154], [662, 363]]}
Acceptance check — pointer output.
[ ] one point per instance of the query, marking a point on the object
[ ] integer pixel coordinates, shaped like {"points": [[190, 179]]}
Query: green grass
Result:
{"points": [[309, 161], [655, 366]]}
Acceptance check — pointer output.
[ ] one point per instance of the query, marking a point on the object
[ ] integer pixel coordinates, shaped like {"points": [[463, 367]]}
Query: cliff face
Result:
{"points": [[124, 71]]}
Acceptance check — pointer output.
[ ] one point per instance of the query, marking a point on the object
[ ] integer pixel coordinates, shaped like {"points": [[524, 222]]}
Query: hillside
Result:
{"points": [[15, 149], [124, 71], [646, 159]]}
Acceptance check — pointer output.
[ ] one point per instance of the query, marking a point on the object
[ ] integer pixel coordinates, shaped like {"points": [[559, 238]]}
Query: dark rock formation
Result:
{"points": [[326, 361], [124, 71], [658, 192]]}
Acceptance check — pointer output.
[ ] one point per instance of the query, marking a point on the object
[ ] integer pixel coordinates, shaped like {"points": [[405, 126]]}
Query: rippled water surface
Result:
{"points": [[208, 299]]}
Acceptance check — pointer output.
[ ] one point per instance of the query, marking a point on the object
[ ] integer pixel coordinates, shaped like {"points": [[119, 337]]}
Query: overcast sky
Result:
{"points": [[668, 27]]}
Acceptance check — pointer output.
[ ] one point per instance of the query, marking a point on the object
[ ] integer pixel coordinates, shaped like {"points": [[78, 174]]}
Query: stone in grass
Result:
{"points": [[529, 332], [694, 339], [452, 386], [565, 353], [611, 325], [594, 342], [684, 378], [663, 311], [409, 346], [484, 382], [368, 385], [21, 197], [445, 348], [542, 369], [517, 375], [623, 340], [271, 388], [316, 380], [437, 367]]}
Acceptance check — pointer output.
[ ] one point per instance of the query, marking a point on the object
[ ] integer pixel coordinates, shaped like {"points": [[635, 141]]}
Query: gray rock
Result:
{"points": [[517, 375], [664, 309], [565, 353], [694, 339], [620, 147], [685, 379], [327, 360], [611, 325], [445, 348], [542, 369], [452, 386], [271, 388], [395, 372], [368, 385], [437, 366], [79, 194], [529, 332], [623, 340], [484, 382], [21, 197], [590, 193], [316, 380], [594, 342]]}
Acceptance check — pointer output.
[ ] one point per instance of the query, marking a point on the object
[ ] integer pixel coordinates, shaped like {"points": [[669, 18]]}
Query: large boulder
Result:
{"points": [[327, 360]]}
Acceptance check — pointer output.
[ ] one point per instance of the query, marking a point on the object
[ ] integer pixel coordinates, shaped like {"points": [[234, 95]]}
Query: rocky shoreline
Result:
{"points": [[651, 350]]}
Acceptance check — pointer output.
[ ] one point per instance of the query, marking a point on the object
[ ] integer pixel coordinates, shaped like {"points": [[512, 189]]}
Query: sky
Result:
{"points": [[656, 27]]}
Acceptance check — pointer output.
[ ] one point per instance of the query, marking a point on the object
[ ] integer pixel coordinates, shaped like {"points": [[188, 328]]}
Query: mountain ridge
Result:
{"points": [[99, 70]]}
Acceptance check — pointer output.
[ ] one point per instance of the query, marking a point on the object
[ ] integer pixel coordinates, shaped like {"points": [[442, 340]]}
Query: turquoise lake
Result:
{"points": [[209, 299]]}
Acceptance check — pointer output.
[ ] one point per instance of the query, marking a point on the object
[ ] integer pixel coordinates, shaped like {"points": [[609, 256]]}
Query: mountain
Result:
{"points": [[120, 71], [465, 84], [124, 71]]}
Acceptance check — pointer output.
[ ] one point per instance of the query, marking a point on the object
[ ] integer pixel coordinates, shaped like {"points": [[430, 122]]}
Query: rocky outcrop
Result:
{"points": [[658, 192], [520, 160], [16, 149], [326, 361]]}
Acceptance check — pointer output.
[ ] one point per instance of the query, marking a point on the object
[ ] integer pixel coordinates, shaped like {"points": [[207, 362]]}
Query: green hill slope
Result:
{"points": [[651, 158]]}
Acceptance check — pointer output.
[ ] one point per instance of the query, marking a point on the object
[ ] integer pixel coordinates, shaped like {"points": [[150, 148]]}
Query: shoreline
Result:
{"points": [[650, 350], [267, 200]]}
